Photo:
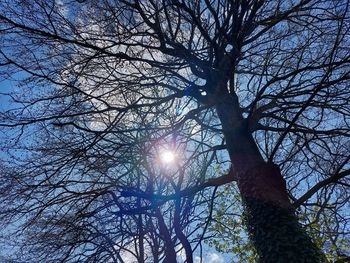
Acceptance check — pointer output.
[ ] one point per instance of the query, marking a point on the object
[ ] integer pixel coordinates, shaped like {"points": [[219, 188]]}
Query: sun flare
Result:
{"points": [[167, 157]]}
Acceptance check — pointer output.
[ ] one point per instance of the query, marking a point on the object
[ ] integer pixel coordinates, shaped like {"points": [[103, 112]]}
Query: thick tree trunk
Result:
{"points": [[270, 218]]}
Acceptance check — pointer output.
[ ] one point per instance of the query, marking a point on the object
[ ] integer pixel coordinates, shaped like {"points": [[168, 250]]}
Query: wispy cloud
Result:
{"points": [[214, 258], [210, 258]]}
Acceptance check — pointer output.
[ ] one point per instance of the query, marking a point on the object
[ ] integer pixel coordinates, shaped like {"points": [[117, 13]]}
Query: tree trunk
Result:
{"points": [[272, 224], [169, 251]]}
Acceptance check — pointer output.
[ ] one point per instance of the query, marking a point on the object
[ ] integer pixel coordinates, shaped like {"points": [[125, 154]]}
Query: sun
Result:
{"points": [[167, 157]]}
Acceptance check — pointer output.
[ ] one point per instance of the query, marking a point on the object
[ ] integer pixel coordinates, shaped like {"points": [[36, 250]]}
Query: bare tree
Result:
{"points": [[269, 78]]}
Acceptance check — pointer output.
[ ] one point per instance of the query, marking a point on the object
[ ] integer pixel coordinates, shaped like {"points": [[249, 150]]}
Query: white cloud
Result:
{"points": [[197, 259], [214, 258], [209, 258], [181, 254], [128, 257]]}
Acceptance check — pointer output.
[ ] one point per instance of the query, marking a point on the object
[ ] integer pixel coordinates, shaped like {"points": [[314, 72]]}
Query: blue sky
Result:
{"points": [[5, 87]]}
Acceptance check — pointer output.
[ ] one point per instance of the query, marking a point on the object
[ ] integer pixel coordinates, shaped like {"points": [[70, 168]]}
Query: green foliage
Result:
{"points": [[322, 224], [231, 236]]}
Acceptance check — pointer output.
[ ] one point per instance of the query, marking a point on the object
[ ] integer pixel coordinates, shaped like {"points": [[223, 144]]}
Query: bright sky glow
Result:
{"points": [[167, 157]]}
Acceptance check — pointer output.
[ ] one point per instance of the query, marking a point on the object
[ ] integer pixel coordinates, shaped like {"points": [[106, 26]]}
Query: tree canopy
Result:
{"points": [[250, 97]]}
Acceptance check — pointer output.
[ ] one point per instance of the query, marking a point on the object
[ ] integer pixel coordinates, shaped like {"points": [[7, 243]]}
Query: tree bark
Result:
{"points": [[180, 235], [169, 251], [271, 221]]}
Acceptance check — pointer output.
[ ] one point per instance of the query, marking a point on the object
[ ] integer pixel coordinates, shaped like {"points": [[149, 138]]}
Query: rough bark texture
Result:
{"points": [[277, 234], [272, 223]]}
